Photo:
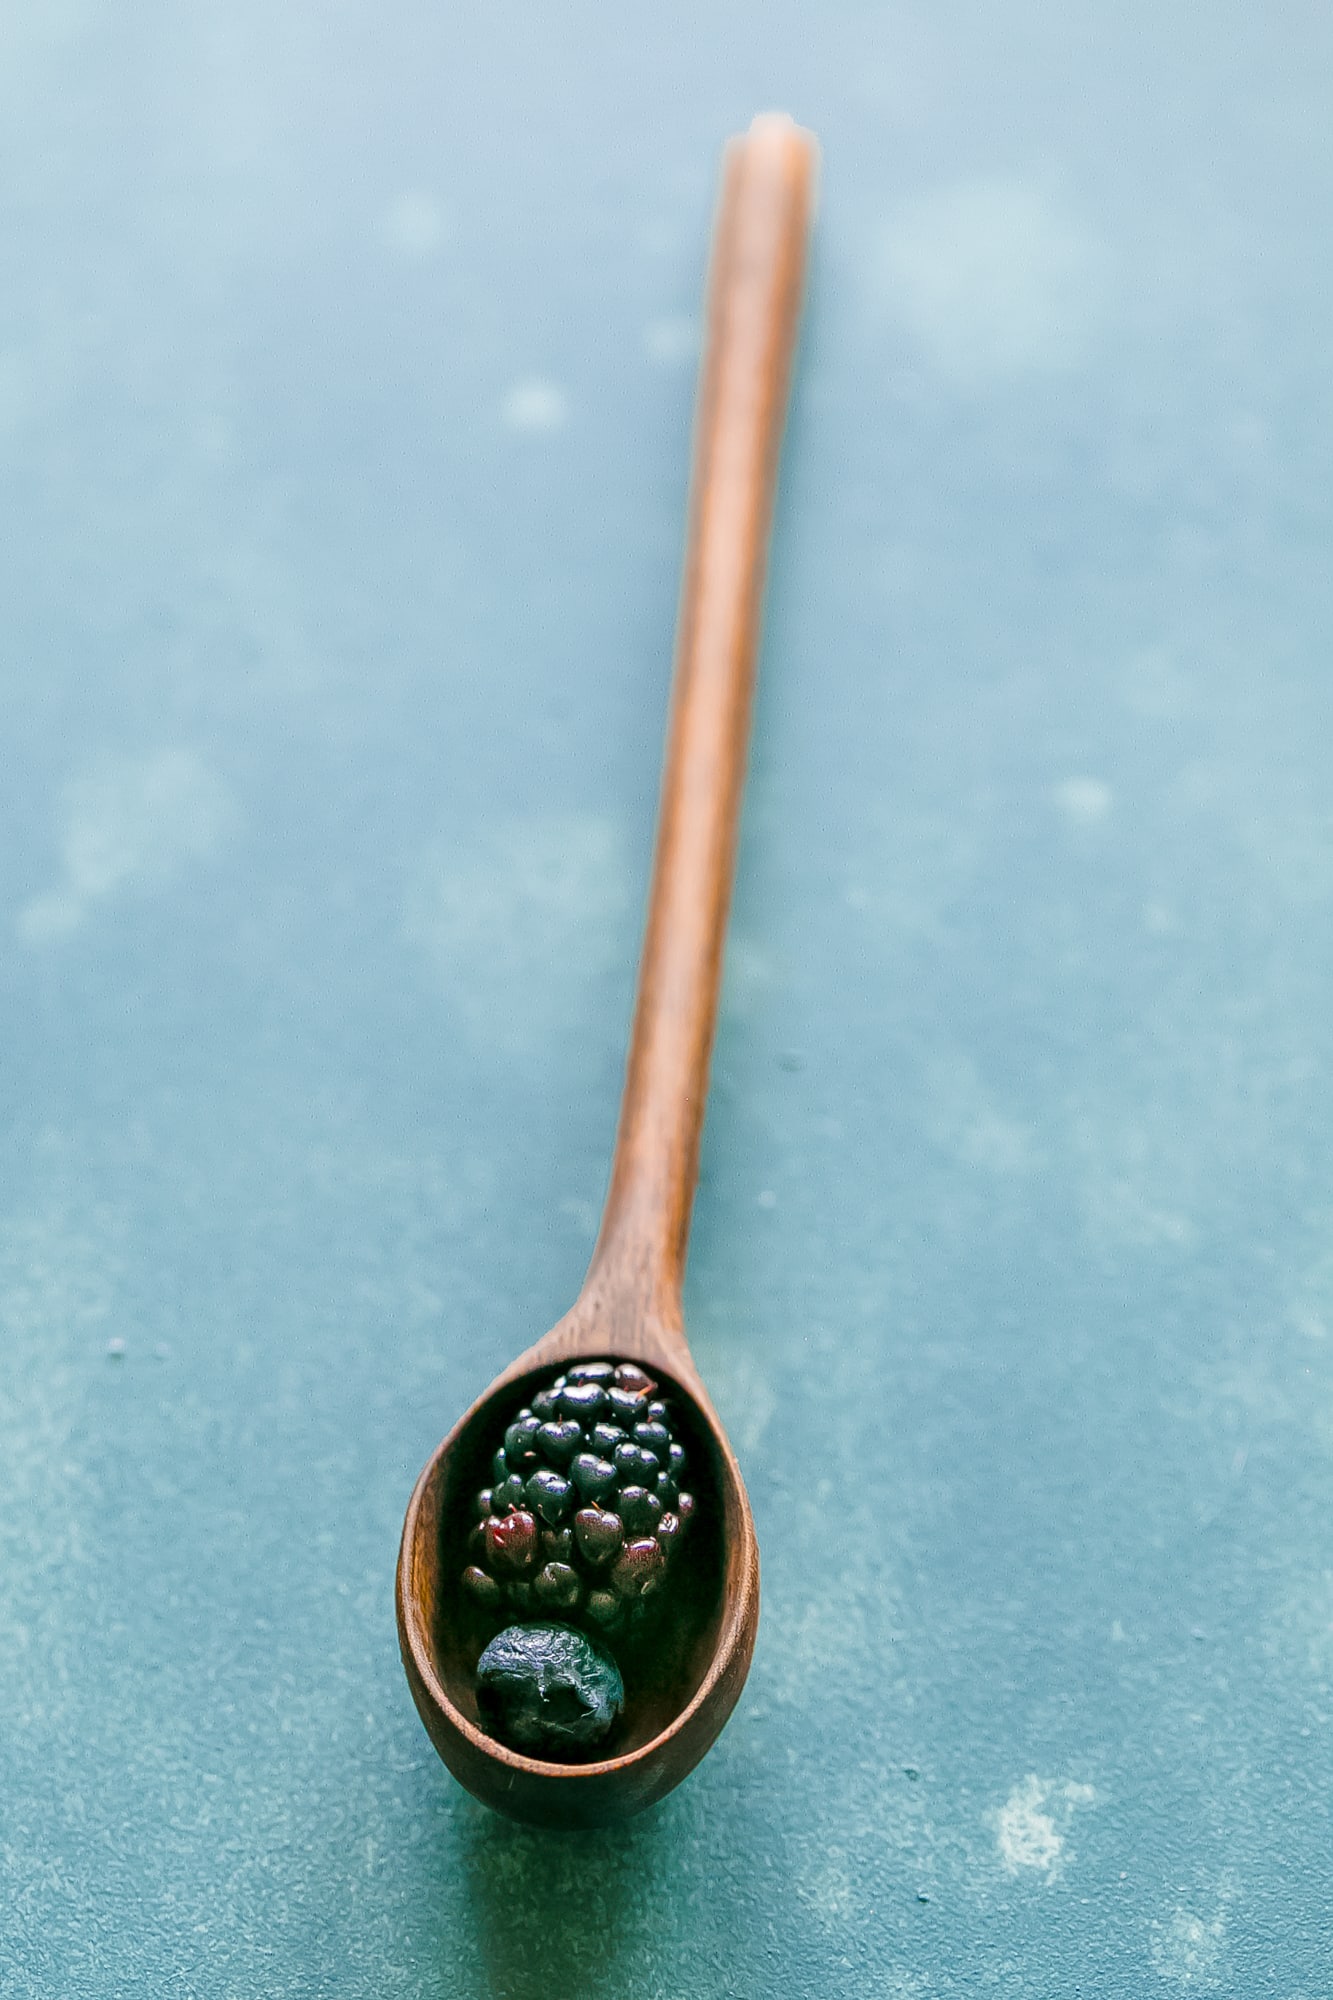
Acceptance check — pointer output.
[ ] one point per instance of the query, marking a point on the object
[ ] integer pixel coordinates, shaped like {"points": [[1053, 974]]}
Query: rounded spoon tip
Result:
{"points": [[699, 1663]]}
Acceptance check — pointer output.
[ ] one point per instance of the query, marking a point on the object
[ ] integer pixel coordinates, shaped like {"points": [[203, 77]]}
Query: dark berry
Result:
{"points": [[599, 1533], [640, 1510], [511, 1543], [550, 1495], [637, 1568], [482, 1588], [520, 1440], [582, 1400], [595, 1477], [654, 1438], [557, 1587], [557, 1544], [559, 1442], [634, 1465], [584, 1514], [545, 1689]]}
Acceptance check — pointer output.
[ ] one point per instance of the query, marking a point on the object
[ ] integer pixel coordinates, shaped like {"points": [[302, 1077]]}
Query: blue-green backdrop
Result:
{"points": [[346, 365]]}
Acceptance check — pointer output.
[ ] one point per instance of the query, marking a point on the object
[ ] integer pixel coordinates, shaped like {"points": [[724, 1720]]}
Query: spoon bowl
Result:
{"points": [[684, 1671], [681, 1685]]}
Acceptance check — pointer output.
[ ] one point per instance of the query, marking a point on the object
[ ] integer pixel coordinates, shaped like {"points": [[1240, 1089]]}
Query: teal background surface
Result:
{"points": [[346, 367]]}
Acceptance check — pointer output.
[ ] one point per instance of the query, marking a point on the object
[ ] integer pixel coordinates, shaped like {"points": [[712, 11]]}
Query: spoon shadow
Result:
{"points": [[560, 1914]]}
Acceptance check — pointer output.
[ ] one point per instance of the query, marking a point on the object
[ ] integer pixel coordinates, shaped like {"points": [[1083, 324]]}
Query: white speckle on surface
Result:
{"points": [[1031, 1825], [766, 1198], [518, 919], [1084, 801], [414, 225], [16, 392], [827, 1891], [671, 342], [745, 1396], [992, 278], [1135, 1179], [962, 1118], [1187, 1951], [115, 1348], [535, 406], [130, 825], [583, 1215]]}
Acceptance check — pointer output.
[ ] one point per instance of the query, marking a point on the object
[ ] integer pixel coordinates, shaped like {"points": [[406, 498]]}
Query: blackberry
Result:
{"points": [[585, 1512]]}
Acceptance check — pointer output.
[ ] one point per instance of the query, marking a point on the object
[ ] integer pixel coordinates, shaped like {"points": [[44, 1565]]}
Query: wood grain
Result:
{"points": [[630, 1305], [754, 307]]}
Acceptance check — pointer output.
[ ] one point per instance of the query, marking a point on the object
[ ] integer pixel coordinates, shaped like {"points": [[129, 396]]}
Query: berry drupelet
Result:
{"points": [[585, 1512]]}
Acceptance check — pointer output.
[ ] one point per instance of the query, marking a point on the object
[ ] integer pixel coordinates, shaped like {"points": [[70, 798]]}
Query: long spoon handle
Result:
{"points": [[754, 305]]}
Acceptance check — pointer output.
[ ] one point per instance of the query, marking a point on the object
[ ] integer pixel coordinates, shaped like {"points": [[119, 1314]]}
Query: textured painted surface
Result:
{"points": [[345, 368]]}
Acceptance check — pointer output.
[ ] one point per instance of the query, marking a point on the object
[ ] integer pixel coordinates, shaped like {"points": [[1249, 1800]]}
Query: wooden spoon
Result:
{"points": [[630, 1305]]}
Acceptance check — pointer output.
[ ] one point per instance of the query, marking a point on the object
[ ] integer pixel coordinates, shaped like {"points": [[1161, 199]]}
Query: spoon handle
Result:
{"points": [[754, 305]]}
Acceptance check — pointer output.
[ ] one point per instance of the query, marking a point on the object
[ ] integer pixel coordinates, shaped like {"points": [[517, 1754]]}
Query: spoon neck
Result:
{"points": [[633, 1284], [753, 310]]}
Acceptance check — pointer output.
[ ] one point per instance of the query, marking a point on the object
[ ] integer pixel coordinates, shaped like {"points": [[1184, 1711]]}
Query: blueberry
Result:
{"points": [[605, 1607], [499, 1467], [624, 1406], [630, 1376], [544, 1405], [656, 1413], [685, 1508], [548, 1690], [595, 1477], [550, 1495], [605, 1438], [592, 1371], [508, 1494], [640, 1510], [666, 1489], [676, 1459], [483, 1503], [668, 1532]]}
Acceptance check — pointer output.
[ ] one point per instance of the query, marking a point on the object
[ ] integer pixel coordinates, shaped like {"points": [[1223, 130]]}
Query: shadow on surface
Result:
{"points": [[559, 1914]]}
